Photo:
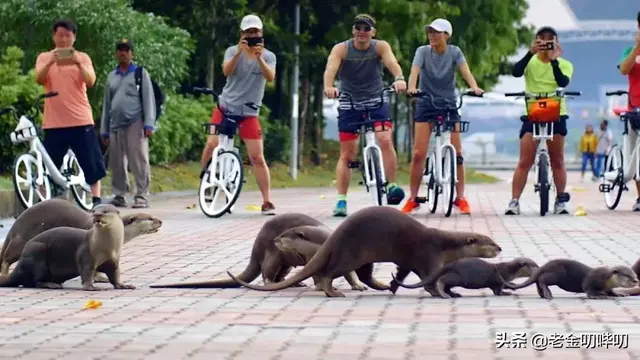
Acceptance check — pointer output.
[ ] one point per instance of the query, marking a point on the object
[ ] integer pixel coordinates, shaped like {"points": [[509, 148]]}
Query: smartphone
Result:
{"points": [[253, 41], [65, 53]]}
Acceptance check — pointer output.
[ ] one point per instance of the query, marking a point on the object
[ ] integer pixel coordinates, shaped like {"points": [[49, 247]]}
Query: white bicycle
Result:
{"points": [[372, 169], [621, 165], [440, 171], [35, 169], [543, 113], [224, 173]]}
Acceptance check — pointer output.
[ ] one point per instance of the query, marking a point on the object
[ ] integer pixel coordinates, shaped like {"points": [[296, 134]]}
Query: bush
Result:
{"points": [[20, 91]]}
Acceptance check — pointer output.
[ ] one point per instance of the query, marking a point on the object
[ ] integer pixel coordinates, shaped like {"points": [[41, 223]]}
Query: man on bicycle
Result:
{"points": [[436, 66], [247, 68], [544, 71], [630, 66], [359, 61]]}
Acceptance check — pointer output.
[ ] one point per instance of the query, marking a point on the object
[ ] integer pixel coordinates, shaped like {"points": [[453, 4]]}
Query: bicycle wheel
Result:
{"points": [[543, 183], [448, 179], [374, 167], [25, 172], [612, 190], [432, 185], [226, 178], [71, 167]]}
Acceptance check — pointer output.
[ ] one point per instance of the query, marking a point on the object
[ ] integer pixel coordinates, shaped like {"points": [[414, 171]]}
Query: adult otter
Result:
{"points": [[298, 245], [63, 253], [475, 273], [574, 276], [54, 213], [265, 257], [384, 234]]}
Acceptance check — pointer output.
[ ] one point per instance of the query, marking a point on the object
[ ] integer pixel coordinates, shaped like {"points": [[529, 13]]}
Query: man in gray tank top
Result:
{"points": [[436, 64], [359, 62], [248, 67]]}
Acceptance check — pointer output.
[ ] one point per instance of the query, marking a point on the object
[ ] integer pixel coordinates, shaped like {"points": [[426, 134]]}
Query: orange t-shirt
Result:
{"points": [[71, 107]]}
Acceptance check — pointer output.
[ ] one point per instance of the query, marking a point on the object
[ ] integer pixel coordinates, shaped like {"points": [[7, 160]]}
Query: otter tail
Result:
{"points": [[4, 265], [365, 274], [313, 266], [429, 280], [250, 273], [533, 278]]}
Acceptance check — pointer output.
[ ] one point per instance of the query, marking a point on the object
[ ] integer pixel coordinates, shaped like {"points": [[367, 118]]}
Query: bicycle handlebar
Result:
{"points": [[617, 93], [384, 90], [429, 96], [560, 93], [36, 105], [209, 91]]}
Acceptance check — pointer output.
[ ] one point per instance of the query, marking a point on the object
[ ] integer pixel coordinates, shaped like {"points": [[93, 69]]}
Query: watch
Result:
{"points": [[398, 78]]}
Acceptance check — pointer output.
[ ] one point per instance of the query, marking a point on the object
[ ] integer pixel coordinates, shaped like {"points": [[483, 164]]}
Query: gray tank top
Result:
{"points": [[360, 73]]}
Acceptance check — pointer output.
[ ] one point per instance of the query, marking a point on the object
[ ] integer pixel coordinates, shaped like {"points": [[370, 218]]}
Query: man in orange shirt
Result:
{"points": [[68, 120]]}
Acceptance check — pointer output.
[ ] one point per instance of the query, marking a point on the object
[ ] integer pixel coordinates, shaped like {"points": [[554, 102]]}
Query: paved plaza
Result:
{"points": [[299, 323]]}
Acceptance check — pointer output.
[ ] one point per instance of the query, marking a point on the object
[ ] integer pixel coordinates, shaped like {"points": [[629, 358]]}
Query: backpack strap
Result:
{"points": [[138, 79]]}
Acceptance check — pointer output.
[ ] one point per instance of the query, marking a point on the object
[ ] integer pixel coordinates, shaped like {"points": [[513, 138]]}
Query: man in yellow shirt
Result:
{"points": [[588, 146], [544, 71]]}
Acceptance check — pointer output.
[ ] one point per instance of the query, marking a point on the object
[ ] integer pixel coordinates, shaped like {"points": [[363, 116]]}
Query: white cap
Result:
{"points": [[249, 22], [441, 25]]}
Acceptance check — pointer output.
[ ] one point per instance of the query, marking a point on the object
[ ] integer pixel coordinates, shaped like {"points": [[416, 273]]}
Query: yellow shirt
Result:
{"points": [[538, 77], [588, 143]]}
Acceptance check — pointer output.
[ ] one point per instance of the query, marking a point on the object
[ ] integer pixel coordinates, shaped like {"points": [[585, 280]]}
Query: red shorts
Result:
{"points": [[349, 136], [248, 127]]}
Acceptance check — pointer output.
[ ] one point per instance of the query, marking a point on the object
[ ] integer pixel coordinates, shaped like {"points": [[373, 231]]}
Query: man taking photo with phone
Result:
{"points": [[247, 66], [67, 118]]}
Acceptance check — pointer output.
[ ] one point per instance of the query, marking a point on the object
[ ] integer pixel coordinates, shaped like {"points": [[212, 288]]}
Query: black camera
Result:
{"points": [[253, 41], [547, 45]]}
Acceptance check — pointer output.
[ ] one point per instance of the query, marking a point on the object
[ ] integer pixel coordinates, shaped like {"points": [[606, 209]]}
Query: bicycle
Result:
{"points": [[543, 113], [69, 176], [224, 171], [440, 172], [618, 172], [372, 170]]}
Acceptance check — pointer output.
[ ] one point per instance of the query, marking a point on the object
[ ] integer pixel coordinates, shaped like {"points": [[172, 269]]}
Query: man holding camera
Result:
{"points": [[247, 66], [630, 66], [68, 120], [544, 71]]}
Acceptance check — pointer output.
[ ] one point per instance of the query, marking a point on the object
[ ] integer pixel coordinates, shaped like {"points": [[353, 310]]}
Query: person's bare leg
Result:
{"points": [[420, 148], [95, 189], [348, 153], [389, 156], [457, 144], [527, 157], [212, 142], [556, 158], [261, 171]]}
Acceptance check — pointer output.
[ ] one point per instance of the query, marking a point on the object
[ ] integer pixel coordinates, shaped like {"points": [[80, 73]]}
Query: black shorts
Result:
{"points": [[559, 127], [428, 114], [84, 143]]}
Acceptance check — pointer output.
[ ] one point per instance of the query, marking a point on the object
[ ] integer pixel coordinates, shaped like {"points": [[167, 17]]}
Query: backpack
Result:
{"points": [[157, 93]]}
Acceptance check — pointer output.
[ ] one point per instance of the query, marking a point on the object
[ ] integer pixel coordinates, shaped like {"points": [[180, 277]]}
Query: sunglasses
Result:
{"points": [[362, 27]]}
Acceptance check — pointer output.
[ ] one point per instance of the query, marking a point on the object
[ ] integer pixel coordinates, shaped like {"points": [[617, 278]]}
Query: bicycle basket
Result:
{"points": [[458, 126], [544, 110]]}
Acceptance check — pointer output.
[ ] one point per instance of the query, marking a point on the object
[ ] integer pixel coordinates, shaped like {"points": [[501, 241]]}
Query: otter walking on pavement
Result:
{"points": [[63, 253], [384, 234]]}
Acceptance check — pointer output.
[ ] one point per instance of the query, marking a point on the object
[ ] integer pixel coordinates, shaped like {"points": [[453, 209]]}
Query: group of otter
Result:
{"points": [[52, 247]]}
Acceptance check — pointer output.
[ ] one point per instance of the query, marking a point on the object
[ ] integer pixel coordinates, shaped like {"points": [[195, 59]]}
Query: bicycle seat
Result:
{"points": [[618, 110]]}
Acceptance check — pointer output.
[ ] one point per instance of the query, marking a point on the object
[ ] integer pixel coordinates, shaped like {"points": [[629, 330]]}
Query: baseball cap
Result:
{"points": [[546, 29], [441, 25], [365, 19], [250, 22], [124, 43]]}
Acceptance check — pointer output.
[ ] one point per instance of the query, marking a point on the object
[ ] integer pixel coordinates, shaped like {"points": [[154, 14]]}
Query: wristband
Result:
{"points": [[398, 78]]}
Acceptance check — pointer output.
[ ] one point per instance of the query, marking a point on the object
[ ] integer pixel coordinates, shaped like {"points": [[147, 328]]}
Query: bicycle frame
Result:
{"points": [[442, 141], [630, 158], [540, 134]]}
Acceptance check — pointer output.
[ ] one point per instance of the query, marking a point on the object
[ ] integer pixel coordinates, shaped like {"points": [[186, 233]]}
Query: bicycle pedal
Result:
{"points": [[421, 199], [353, 164], [604, 188]]}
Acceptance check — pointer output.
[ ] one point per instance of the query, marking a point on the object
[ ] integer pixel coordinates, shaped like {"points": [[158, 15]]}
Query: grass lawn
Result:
{"points": [[185, 176]]}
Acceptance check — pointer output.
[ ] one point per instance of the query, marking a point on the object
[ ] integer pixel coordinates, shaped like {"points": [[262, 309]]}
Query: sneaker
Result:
{"points": [[395, 194], [636, 206], [96, 201], [410, 206], [513, 208], [268, 209], [462, 205], [140, 203], [118, 201], [340, 209], [560, 206]]}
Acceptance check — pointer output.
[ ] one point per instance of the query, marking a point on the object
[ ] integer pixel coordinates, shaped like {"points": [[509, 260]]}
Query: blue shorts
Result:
{"points": [[348, 121], [83, 140], [559, 127]]}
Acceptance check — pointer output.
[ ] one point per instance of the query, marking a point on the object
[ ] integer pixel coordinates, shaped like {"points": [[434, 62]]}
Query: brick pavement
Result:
{"points": [[303, 324]]}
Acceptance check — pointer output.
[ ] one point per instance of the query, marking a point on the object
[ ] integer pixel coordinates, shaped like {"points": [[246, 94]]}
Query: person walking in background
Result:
{"points": [[67, 119], [605, 140], [127, 124], [588, 146]]}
